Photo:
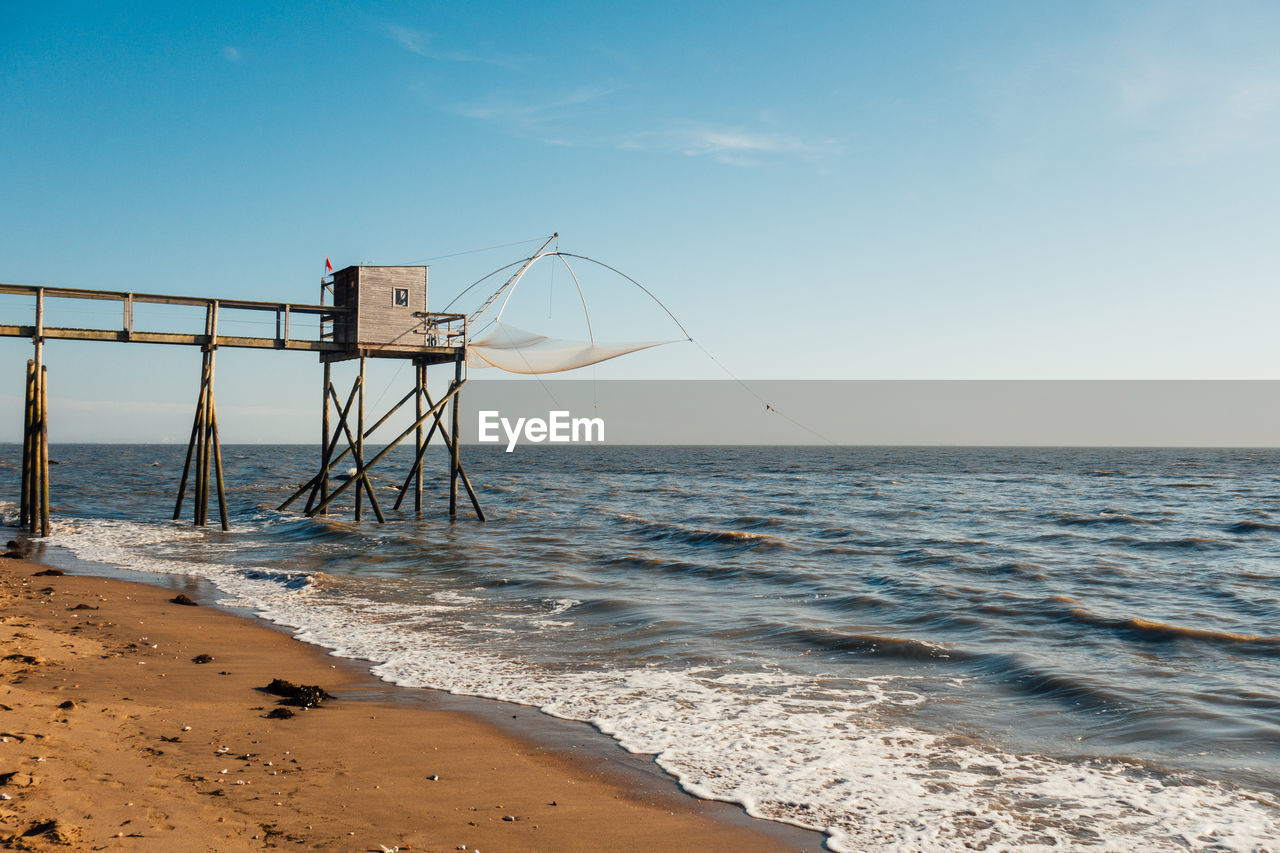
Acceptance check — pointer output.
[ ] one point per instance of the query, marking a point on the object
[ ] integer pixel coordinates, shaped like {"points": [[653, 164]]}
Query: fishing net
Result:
{"points": [[516, 350]]}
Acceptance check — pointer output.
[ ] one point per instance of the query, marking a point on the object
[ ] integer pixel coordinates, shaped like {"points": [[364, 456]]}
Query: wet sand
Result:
{"points": [[113, 736]]}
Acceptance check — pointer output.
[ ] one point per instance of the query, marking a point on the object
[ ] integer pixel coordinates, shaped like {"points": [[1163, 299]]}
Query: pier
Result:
{"points": [[364, 312]]}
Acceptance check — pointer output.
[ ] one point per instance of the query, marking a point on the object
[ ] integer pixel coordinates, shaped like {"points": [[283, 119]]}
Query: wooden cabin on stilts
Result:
{"points": [[364, 312]]}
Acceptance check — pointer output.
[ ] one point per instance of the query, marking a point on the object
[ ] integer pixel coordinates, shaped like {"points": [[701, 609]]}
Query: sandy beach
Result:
{"points": [[129, 721]]}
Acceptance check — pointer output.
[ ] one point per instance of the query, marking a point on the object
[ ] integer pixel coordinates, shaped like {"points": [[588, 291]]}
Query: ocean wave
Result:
{"points": [[927, 557], [1182, 543], [1031, 571], [139, 547], [1103, 518], [1068, 688], [670, 530], [901, 648], [1145, 630], [786, 576], [751, 522], [1246, 527]]}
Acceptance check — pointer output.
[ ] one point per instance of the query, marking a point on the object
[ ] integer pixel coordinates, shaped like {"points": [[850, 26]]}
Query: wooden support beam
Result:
{"points": [[328, 460], [205, 445], [324, 431], [45, 526], [217, 456], [320, 482], [191, 446], [360, 437], [34, 504], [416, 468], [28, 470], [327, 347], [420, 381], [202, 445], [382, 420], [376, 459], [38, 508], [337, 433], [356, 445], [454, 459]]}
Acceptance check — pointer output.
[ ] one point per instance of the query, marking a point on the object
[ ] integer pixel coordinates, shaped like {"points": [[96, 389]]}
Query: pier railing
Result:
{"points": [[293, 326]]}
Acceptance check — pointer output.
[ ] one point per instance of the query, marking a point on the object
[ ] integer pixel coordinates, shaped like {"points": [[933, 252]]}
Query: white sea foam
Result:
{"points": [[560, 605], [788, 747]]}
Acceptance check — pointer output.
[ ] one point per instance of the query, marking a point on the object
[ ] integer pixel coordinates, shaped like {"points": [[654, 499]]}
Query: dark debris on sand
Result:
{"points": [[303, 695], [183, 598]]}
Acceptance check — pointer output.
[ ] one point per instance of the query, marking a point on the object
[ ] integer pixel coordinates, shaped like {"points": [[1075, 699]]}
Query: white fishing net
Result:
{"points": [[516, 350]]}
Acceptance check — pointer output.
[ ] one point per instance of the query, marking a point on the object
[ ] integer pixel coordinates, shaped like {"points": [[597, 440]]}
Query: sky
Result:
{"points": [[914, 190]]}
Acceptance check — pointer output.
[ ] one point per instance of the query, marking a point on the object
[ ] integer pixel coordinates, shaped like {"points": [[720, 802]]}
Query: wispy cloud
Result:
{"points": [[1190, 113], [555, 120], [1159, 86], [532, 112], [730, 145], [423, 44]]}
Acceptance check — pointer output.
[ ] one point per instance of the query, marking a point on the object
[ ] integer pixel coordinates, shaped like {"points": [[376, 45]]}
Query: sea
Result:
{"points": [[905, 648]]}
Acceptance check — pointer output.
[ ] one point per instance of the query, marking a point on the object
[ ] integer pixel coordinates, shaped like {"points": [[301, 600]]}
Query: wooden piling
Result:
{"points": [[34, 504], [28, 419], [417, 466], [432, 412], [202, 446], [205, 444], [360, 435], [420, 380], [45, 527], [191, 446], [355, 442], [453, 453], [329, 460], [325, 449], [217, 457]]}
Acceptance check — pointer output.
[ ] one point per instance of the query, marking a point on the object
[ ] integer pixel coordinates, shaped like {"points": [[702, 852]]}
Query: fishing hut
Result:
{"points": [[364, 312]]}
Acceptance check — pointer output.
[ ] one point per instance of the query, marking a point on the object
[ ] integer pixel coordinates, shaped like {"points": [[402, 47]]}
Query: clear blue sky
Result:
{"points": [[844, 190]]}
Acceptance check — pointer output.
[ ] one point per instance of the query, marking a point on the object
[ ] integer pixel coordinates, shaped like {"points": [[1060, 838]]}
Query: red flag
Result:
{"points": [[328, 267]]}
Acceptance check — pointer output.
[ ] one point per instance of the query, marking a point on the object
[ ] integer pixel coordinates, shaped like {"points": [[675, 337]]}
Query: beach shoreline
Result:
{"points": [[116, 738]]}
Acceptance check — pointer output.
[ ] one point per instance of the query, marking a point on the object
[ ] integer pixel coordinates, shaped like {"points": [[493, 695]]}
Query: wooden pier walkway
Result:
{"points": [[372, 315]]}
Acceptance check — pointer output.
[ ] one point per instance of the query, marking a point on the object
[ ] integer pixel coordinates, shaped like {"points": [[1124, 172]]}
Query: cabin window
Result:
{"points": [[401, 297]]}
